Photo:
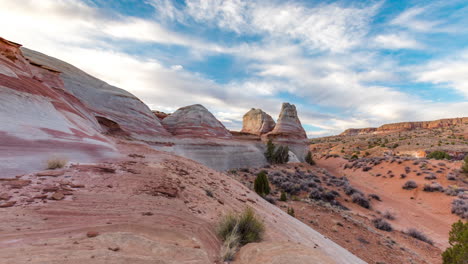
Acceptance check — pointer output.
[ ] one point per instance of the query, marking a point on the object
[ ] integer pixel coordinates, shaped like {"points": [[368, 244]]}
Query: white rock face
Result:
{"points": [[292, 158], [113, 103], [195, 121]]}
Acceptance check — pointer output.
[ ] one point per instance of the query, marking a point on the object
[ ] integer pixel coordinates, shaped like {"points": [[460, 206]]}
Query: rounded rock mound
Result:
{"points": [[195, 121]]}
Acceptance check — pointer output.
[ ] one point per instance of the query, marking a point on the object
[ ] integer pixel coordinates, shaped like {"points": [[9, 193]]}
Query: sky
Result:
{"points": [[344, 64]]}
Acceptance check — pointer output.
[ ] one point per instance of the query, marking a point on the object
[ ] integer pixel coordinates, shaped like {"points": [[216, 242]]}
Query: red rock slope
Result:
{"points": [[144, 209]]}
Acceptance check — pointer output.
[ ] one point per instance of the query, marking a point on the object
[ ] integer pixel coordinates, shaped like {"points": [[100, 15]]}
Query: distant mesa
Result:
{"points": [[406, 126], [195, 121], [257, 122]]}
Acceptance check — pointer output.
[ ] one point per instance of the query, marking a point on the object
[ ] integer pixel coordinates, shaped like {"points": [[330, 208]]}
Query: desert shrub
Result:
{"points": [[438, 155], [381, 224], [431, 176], [239, 229], [359, 199], [374, 196], [281, 155], [261, 184], [402, 176], [457, 253], [283, 197], [410, 185], [433, 187], [460, 207], [291, 212], [389, 215], [465, 165], [451, 176], [309, 158], [413, 232], [56, 163], [367, 168]]}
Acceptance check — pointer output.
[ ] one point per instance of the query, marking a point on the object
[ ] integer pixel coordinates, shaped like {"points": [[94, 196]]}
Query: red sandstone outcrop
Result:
{"points": [[288, 125], [159, 114], [257, 122], [195, 121], [407, 126]]}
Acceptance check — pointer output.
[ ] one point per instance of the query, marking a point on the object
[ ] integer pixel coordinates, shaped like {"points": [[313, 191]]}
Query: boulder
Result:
{"points": [[257, 122], [195, 121]]}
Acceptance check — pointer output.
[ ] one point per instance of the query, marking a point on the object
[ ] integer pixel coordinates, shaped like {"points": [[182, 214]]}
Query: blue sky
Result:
{"points": [[343, 63]]}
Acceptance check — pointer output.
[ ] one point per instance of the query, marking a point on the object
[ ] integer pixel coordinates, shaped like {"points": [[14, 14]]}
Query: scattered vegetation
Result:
{"points": [[389, 215], [460, 207], [457, 253], [359, 199], [438, 155], [283, 197], [237, 230], [410, 185], [381, 224], [465, 164], [291, 212], [261, 184], [276, 155], [309, 159], [419, 235], [56, 163]]}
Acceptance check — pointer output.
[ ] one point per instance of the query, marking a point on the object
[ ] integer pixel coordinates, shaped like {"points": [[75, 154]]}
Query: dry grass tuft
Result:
{"points": [[56, 163]]}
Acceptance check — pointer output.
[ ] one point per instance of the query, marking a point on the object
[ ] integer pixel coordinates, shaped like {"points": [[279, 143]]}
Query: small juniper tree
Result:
{"points": [[457, 253], [283, 197], [438, 155], [270, 151], [465, 164], [309, 159], [281, 155], [291, 212], [261, 184]]}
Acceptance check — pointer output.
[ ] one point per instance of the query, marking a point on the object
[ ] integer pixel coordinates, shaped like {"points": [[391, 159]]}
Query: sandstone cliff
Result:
{"points": [[257, 122], [407, 126]]}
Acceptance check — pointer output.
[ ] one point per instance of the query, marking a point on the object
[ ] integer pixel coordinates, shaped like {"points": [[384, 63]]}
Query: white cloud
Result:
{"points": [[410, 18], [451, 72], [397, 41]]}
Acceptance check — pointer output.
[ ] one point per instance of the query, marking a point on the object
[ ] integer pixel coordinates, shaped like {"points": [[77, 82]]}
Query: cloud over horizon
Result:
{"points": [[344, 65]]}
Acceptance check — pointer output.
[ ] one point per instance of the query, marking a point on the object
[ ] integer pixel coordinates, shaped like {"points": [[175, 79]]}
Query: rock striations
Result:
{"points": [[288, 125], [257, 122], [195, 121], [406, 126]]}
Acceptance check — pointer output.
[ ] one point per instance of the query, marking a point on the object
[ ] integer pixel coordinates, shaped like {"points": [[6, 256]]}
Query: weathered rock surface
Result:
{"points": [[195, 121], [288, 125], [104, 100], [159, 114], [289, 132], [40, 118], [257, 122], [406, 126]]}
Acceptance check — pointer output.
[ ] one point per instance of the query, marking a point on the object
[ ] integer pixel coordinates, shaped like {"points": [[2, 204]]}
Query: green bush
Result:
{"points": [[261, 184], [465, 164], [283, 197], [276, 155], [457, 253], [309, 158], [239, 229], [438, 155], [291, 212]]}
